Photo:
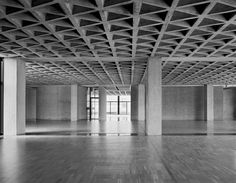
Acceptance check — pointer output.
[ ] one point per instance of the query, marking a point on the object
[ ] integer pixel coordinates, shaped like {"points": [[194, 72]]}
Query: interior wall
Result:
{"points": [[229, 103], [31, 104], [179, 103], [82, 102], [53, 102], [183, 103]]}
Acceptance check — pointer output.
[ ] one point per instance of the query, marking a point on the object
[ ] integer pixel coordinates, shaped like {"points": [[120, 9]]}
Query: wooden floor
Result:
{"points": [[63, 152], [124, 159], [115, 125], [123, 126]]}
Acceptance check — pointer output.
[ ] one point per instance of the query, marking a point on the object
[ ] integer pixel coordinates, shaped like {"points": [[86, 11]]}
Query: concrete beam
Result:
{"points": [[193, 59]]}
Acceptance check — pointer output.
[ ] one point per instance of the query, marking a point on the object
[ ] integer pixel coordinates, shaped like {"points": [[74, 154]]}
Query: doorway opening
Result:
{"points": [[118, 107], [93, 103]]}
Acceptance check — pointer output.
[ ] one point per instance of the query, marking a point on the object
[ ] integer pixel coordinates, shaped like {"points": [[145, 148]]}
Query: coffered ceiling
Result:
{"points": [[108, 42]]}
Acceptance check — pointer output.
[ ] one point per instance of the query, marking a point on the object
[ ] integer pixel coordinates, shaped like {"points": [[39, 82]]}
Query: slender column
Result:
{"points": [[138, 102], [134, 101], [78, 102], [209, 108], [1, 98], [14, 96], [209, 103], [218, 103], [154, 97], [141, 102], [118, 105], [102, 103]]}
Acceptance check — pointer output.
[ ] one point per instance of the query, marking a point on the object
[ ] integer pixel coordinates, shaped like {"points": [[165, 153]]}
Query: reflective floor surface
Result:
{"points": [[226, 127], [118, 125], [124, 159], [114, 125]]}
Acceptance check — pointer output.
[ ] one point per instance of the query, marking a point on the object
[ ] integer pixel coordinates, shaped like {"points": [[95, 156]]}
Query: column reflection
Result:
{"points": [[10, 160]]}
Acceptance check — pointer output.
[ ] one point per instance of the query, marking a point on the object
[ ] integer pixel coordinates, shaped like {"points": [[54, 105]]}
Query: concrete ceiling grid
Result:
{"points": [[107, 43]]}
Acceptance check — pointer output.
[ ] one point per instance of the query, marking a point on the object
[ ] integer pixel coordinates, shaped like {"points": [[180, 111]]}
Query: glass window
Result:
{"points": [[123, 108], [112, 98], [124, 104], [92, 103], [94, 108], [108, 107], [114, 107], [125, 98], [128, 107], [94, 92]]}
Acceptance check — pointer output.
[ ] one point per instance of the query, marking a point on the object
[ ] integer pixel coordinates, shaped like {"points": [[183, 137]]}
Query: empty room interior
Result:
{"points": [[123, 91]]}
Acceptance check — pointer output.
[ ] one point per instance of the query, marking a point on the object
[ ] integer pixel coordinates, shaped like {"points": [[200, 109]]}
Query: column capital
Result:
{"points": [[13, 58], [155, 58]]}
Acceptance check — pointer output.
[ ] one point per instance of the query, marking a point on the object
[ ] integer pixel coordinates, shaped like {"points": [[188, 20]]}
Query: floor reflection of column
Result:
{"points": [[73, 127], [210, 127], [95, 126], [158, 170], [9, 166], [234, 160]]}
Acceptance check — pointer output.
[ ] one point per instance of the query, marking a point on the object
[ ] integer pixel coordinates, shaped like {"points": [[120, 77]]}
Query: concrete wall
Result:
{"points": [[183, 103], [138, 102], [82, 110], [229, 103], [141, 103], [187, 103], [53, 102], [179, 103], [134, 102], [78, 102], [218, 103], [31, 104]]}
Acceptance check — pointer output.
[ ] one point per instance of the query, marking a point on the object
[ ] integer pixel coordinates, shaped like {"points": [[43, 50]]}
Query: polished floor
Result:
{"points": [[123, 159], [226, 127], [122, 125], [117, 151], [115, 125]]}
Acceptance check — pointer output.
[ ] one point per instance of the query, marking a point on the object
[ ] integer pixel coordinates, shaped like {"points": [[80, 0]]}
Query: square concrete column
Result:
{"points": [[208, 103], [102, 103], [14, 96], [218, 103], [154, 97], [138, 102], [78, 102]]}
